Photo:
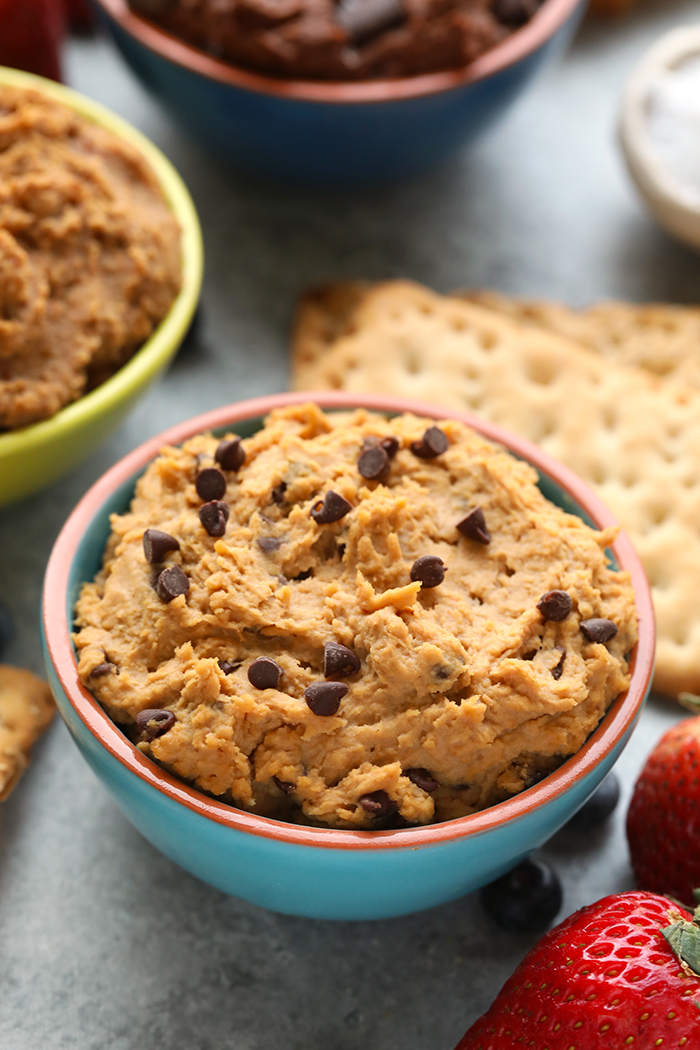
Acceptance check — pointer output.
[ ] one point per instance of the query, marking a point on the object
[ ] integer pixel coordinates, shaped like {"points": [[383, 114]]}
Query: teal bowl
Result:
{"points": [[320, 872]]}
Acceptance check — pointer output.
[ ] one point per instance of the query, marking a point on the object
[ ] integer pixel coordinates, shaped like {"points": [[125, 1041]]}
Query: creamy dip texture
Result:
{"points": [[353, 621]]}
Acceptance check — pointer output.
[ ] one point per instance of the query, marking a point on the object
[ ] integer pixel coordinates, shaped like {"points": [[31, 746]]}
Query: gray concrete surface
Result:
{"points": [[104, 943]]}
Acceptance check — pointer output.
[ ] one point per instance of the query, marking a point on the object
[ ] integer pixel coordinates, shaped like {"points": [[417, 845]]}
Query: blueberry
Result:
{"points": [[6, 627], [525, 899], [599, 806]]}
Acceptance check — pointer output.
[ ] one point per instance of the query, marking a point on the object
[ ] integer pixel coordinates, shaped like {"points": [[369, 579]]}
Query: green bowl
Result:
{"points": [[33, 456]]}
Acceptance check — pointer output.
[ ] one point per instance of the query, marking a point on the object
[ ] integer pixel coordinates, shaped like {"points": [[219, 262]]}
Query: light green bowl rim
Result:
{"points": [[158, 348]]}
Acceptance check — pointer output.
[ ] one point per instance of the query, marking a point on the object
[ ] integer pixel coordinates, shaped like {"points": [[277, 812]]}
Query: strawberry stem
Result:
{"points": [[690, 702], [684, 939]]}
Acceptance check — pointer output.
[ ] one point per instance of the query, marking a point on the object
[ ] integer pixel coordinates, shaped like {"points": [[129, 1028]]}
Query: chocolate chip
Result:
{"points": [[102, 669], [422, 779], [154, 722], [514, 13], [284, 785], [559, 669], [331, 508], [264, 673], [278, 493], [390, 445], [338, 659], [267, 544], [171, 583], [210, 484], [157, 543], [365, 19], [214, 517], [555, 605], [433, 443], [228, 667], [373, 462], [230, 454], [377, 803], [598, 630], [324, 697], [429, 571], [474, 526]]}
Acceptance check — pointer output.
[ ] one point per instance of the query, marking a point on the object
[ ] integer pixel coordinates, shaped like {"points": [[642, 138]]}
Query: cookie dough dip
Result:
{"points": [[343, 39], [89, 255], [353, 621]]}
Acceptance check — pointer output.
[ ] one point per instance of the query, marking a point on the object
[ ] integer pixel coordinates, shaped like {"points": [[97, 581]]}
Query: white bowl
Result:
{"points": [[675, 207]]}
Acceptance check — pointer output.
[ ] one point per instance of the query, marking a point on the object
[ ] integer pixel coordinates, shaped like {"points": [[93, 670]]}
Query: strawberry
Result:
{"points": [[618, 975], [663, 821]]}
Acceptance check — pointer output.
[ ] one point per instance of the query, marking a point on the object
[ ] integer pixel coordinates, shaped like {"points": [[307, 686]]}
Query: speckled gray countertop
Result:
{"points": [[104, 943]]}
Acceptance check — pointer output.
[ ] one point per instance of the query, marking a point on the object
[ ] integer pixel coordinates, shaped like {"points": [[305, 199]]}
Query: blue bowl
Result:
{"points": [[319, 872], [335, 133]]}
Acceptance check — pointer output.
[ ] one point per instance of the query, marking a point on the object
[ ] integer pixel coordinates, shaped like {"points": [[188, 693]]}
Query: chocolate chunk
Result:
{"points": [[555, 605], [422, 779], [433, 443], [338, 659], [102, 669], [278, 493], [365, 19], [228, 667], [264, 673], [597, 630], [429, 571], [474, 526], [331, 508], [230, 454], [210, 484], [284, 785], [324, 697], [157, 543], [390, 445], [267, 544], [559, 669], [171, 583], [154, 722], [377, 803], [373, 462], [214, 517]]}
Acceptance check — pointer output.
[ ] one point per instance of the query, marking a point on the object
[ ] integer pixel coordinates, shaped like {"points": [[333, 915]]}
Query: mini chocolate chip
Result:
{"points": [[373, 462], [338, 659], [284, 785], [441, 672], [278, 493], [157, 543], [422, 779], [474, 526], [390, 445], [230, 454], [433, 443], [210, 484], [429, 571], [377, 803], [267, 544], [264, 673], [172, 582], [228, 667], [555, 605], [365, 19], [598, 630], [154, 722], [214, 517], [324, 697], [103, 669], [331, 508], [559, 669], [514, 13]]}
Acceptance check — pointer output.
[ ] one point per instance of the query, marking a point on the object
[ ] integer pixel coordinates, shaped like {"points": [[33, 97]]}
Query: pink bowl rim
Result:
{"points": [[619, 719], [544, 24]]}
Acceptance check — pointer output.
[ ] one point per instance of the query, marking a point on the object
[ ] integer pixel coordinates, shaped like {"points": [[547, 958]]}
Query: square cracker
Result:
{"points": [[634, 437]]}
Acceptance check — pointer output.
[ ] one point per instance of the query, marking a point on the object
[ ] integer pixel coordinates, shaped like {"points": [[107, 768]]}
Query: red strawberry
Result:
{"points": [[663, 822], [604, 979]]}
